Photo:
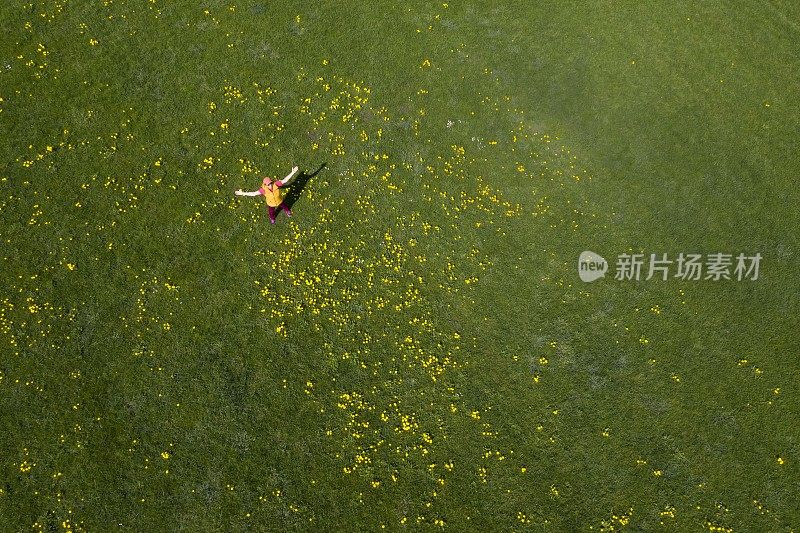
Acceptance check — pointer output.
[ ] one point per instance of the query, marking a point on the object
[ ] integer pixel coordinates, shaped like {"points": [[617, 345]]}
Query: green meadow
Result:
{"points": [[414, 348]]}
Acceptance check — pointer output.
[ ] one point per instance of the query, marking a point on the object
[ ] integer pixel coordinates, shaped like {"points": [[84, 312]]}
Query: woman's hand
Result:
{"points": [[239, 192]]}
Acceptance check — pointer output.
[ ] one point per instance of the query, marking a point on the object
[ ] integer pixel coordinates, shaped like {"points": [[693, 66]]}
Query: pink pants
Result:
{"points": [[273, 211]]}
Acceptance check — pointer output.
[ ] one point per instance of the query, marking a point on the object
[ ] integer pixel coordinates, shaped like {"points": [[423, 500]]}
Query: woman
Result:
{"points": [[273, 194]]}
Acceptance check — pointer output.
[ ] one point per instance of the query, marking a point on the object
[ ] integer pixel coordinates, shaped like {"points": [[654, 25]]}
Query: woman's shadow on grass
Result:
{"points": [[297, 186]]}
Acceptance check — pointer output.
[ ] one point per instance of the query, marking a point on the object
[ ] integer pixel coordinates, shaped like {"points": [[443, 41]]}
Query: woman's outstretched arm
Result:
{"points": [[289, 177], [240, 192]]}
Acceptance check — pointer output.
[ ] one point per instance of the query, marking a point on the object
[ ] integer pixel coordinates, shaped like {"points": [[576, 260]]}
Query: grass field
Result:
{"points": [[414, 348]]}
